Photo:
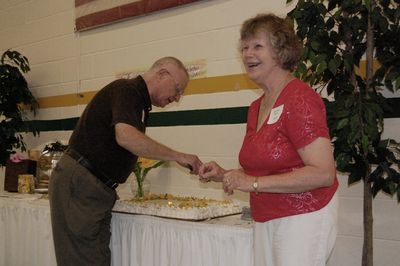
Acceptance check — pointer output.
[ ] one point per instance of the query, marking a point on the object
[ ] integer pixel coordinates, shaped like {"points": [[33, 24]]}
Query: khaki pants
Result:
{"points": [[80, 206]]}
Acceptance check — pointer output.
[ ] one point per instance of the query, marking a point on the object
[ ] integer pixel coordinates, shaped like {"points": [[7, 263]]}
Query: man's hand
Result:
{"points": [[190, 161]]}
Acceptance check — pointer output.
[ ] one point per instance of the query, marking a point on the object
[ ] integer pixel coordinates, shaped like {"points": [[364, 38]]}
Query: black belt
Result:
{"points": [[85, 163]]}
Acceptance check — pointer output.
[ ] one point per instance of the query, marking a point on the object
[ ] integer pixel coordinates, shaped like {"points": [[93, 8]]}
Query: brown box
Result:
{"points": [[15, 169]]}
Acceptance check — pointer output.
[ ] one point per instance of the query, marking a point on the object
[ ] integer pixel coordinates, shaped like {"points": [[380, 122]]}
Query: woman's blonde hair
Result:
{"points": [[285, 43]]}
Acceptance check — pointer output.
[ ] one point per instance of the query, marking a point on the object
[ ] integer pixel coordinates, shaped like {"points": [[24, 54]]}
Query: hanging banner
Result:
{"points": [[94, 13]]}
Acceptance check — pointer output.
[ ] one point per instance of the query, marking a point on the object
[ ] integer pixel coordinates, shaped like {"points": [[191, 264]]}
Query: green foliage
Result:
{"points": [[14, 94], [55, 146], [334, 34]]}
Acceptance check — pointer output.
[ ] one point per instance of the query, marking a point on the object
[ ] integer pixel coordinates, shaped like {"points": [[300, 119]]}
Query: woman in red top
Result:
{"points": [[286, 156]]}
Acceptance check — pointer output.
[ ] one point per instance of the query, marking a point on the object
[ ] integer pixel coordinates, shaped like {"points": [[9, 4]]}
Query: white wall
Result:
{"points": [[65, 62]]}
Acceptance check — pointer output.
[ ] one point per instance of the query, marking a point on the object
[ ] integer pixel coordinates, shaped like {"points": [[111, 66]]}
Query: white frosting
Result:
{"points": [[160, 207]]}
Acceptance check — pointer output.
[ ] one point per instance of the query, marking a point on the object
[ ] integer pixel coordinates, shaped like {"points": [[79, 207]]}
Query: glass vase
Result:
{"points": [[47, 162], [140, 190]]}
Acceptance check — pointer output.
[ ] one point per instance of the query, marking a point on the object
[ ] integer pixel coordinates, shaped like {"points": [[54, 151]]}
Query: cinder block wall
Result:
{"points": [[64, 62]]}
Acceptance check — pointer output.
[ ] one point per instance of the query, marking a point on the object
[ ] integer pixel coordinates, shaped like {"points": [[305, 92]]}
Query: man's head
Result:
{"points": [[166, 80]]}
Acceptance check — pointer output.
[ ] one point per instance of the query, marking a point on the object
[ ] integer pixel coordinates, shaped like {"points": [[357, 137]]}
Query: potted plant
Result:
{"points": [[51, 154], [337, 35], [15, 100]]}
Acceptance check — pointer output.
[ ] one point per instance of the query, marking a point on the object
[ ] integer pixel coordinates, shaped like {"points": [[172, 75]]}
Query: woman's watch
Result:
{"points": [[255, 185]]}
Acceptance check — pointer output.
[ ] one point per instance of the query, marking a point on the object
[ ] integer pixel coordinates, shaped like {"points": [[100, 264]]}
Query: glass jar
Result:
{"points": [[140, 191], [47, 162]]}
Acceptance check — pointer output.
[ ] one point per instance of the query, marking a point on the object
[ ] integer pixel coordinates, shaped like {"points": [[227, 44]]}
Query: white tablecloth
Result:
{"points": [[26, 238], [25, 232]]}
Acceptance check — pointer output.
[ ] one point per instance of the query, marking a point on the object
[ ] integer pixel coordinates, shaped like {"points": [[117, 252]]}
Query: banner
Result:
{"points": [[94, 13]]}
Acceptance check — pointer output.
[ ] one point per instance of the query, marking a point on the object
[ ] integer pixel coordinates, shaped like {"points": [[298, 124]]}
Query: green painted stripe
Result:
{"points": [[234, 115], [219, 116], [52, 125]]}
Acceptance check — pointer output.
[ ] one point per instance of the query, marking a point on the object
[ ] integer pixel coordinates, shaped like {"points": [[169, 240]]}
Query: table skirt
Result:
{"points": [[136, 240], [151, 241]]}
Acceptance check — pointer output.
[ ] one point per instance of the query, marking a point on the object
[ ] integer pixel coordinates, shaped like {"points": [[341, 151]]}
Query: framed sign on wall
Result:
{"points": [[95, 13]]}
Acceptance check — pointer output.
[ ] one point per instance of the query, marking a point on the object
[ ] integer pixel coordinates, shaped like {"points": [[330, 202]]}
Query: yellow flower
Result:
{"points": [[145, 163], [142, 167]]}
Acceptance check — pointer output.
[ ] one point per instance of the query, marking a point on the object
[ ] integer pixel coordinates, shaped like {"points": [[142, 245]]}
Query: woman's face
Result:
{"points": [[258, 57]]}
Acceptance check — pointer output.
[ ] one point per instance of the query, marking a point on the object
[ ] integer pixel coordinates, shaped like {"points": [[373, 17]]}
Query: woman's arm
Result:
{"points": [[318, 171]]}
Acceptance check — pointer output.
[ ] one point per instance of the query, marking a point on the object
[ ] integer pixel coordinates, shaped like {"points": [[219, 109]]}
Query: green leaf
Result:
{"points": [[342, 123], [389, 187], [312, 57], [377, 186], [348, 62], [321, 67], [367, 3], [365, 142], [301, 68], [315, 45], [333, 66], [353, 179]]}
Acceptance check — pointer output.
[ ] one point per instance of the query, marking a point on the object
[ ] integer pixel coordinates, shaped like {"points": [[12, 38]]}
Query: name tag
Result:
{"points": [[275, 114]]}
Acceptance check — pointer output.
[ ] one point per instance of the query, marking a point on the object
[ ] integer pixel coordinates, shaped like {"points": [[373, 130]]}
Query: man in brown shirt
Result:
{"points": [[103, 150]]}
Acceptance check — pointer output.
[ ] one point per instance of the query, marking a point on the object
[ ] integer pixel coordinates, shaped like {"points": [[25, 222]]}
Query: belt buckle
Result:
{"points": [[111, 184], [80, 159]]}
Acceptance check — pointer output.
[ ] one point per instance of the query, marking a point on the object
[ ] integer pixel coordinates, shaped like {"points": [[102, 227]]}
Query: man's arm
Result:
{"points": [[139, 144]]}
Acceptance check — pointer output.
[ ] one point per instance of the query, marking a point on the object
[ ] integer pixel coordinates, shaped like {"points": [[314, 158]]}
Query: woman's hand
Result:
{"points": [[236, 179], [211, 171]]}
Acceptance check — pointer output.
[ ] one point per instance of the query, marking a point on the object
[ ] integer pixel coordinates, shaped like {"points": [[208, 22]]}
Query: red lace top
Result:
{"points": [[297, 118]]}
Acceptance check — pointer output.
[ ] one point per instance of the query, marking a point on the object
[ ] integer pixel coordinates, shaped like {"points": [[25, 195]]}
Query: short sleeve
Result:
{"points": [[126, 106], [306, 118]]}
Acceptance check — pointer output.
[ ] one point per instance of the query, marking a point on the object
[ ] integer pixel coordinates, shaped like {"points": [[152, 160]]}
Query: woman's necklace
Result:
{"points": [[268, 102]]}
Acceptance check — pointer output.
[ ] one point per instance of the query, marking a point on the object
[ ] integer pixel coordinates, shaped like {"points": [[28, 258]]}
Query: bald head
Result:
{"points": [[168, 61], [166, 80]]}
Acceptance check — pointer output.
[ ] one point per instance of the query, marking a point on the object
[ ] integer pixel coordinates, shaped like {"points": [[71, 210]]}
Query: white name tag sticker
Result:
{"points": [[275, 114]]}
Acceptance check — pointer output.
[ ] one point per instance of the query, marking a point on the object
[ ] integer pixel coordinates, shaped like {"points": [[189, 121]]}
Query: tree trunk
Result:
{"points": [[367, 257], [367, 254]]}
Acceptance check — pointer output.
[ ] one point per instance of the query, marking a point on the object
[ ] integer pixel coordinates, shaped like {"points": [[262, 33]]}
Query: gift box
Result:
{"points": [[13, 169]]}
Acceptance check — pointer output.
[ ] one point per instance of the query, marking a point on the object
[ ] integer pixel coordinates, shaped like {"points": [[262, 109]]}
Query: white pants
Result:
{"points": [[299, 240]]}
